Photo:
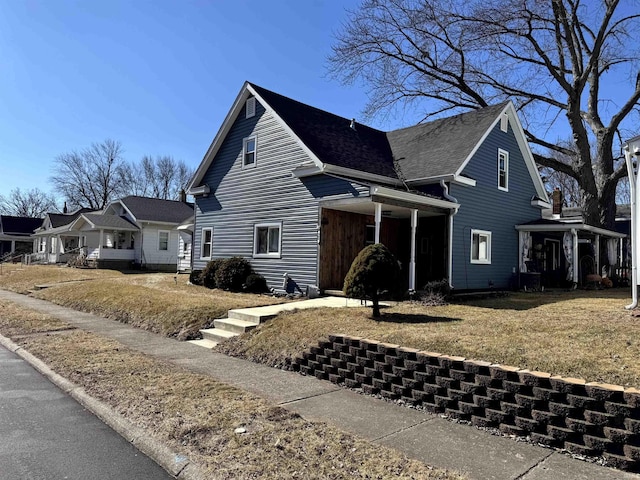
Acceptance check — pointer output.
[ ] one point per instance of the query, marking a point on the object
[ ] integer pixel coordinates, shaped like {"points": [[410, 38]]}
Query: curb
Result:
{"points": [[174, 463]]}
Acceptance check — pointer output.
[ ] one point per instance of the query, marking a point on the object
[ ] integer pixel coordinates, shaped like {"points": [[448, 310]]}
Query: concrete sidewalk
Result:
{"points": [[428, 438]]}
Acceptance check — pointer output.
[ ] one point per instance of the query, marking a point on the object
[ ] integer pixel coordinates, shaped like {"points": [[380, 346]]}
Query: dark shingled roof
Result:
{"points": [[110, 221], [11, 225], [60, 219], [440, 147], [158, 210], [331, 138], [426, 150]]}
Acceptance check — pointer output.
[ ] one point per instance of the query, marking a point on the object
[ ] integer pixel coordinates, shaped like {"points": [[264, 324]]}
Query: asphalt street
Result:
{"points": [[45, 434]]}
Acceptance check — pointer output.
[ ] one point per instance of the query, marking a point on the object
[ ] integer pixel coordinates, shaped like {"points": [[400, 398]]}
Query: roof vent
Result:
{"points": [[352, 126]]}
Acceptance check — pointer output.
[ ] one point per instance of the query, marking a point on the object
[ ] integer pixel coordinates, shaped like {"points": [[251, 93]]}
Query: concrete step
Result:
{"points": [[234, 325], [248, 315], [204, 343], [217, 334]]}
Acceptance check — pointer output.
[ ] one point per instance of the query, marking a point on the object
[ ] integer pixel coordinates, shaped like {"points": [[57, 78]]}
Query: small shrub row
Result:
{"points": [[234, 274]]}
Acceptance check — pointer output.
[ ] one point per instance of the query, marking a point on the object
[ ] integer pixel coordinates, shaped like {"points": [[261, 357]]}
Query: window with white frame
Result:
{"points": [[267, 240], [503, 170], [163, 240], [249, 147], [480, 246], [207, 243], [250, 107]]}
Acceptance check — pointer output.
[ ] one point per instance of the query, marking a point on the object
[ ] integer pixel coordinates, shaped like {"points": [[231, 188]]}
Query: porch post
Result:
{"points": [[13, 246], [100, 243], [574, 232], [378, 219], [597, 254], [412, 259]]}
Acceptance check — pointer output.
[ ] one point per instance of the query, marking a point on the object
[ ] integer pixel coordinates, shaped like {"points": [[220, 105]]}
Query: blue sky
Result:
{"points": [[158, 76]]}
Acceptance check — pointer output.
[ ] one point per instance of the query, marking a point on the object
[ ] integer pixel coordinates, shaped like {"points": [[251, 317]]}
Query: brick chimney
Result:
{"points": [[556, 198]]}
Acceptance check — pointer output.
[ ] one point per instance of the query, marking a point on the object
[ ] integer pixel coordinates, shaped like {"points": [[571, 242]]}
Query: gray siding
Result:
{"points": [[484, 207], [241, 198]]}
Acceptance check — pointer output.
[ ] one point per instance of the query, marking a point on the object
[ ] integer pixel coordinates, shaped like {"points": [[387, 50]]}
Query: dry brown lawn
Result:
{"points": [[159, 302], [197, 416], [585, 334]]}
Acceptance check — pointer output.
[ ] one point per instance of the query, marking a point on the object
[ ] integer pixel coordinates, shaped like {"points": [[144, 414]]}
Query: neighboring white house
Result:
{"points": [[130, 232], [55, 242]]}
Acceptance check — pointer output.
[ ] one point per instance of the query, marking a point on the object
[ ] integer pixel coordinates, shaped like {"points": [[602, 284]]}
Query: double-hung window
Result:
{"points": [[267, 240], [249, 150], [163, 240], [480, 246], [503, 170], [207, 243]]}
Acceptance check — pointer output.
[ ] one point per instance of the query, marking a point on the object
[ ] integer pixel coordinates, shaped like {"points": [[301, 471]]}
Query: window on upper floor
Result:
{"points": [[207, 243], [249, 151], [480, 246], [163, 240], [250, 107], [503, 170], [267, 240]]}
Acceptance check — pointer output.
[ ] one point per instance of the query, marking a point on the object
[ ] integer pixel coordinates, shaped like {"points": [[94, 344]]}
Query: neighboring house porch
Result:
{"points": [[562, 254]]}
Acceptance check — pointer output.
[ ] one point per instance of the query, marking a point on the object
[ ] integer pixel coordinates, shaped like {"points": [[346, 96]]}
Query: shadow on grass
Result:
{"points": [[527, 301], [414, 318]]}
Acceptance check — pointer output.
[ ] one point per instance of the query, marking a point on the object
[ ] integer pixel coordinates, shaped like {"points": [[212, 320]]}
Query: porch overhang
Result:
{"points": [[568, 227]]}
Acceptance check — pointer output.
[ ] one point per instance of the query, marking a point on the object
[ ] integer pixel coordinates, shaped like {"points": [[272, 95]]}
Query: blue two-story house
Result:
{"points": [[299, 192]]}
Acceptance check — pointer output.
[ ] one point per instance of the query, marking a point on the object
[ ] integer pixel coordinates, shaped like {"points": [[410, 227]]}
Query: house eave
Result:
{"points": [[537, 202], [359, 175], [452, 178], [202, 190]]}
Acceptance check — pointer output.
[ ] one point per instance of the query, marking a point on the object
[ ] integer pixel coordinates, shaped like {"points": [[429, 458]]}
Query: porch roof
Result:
{"points": [[99, 221], [397, 203], [547, 225]]}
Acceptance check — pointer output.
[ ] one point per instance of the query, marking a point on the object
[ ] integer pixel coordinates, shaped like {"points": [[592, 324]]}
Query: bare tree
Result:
{"points": [[32, 203], [159, 177], [553, 58], [88, 178]]}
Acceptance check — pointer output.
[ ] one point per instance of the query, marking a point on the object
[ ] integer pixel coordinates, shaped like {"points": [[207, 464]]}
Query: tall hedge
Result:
{"points": [[373, 271]]}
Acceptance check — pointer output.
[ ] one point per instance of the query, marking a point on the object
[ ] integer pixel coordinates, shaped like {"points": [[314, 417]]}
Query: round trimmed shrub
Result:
{"points": [[209, 273], [232, 273], [373, 271], [256, 284], [195, 277]]}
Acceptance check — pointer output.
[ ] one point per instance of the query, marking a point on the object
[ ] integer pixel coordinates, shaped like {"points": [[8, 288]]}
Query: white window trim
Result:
{"points": [[484, 261], [168, 240], [277, 254], [255, 151], [202, 243], [250, 107], [506, 169]]}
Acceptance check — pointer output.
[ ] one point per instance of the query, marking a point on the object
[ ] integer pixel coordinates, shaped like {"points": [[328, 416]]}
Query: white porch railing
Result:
{"points": [[111, 254]]}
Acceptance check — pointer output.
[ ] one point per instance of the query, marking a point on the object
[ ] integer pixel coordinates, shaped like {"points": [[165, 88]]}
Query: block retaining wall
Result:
{"points": [[592, 419]]}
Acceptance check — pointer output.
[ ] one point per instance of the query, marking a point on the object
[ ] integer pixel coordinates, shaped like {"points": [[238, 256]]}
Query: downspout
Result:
{"points": [[445, 194], [634, 238]]}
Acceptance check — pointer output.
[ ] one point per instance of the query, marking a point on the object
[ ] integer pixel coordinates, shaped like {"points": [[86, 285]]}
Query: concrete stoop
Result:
{"points": [[236, 323]]}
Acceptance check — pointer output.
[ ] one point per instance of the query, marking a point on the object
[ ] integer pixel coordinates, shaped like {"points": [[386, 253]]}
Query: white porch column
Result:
{"points": [[100, 243], [597, 254], [412, 259], [378, 219], [450, 250], [13, 246], [574, 233]]}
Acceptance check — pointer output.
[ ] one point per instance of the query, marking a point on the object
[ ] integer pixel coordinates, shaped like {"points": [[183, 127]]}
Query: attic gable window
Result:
{"points": [[250, 107], [503, 170], [504, 123], [249, 152]]}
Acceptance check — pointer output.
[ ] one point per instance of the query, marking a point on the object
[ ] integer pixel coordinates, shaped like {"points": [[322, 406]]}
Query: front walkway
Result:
{"points": [[428, 438]]}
